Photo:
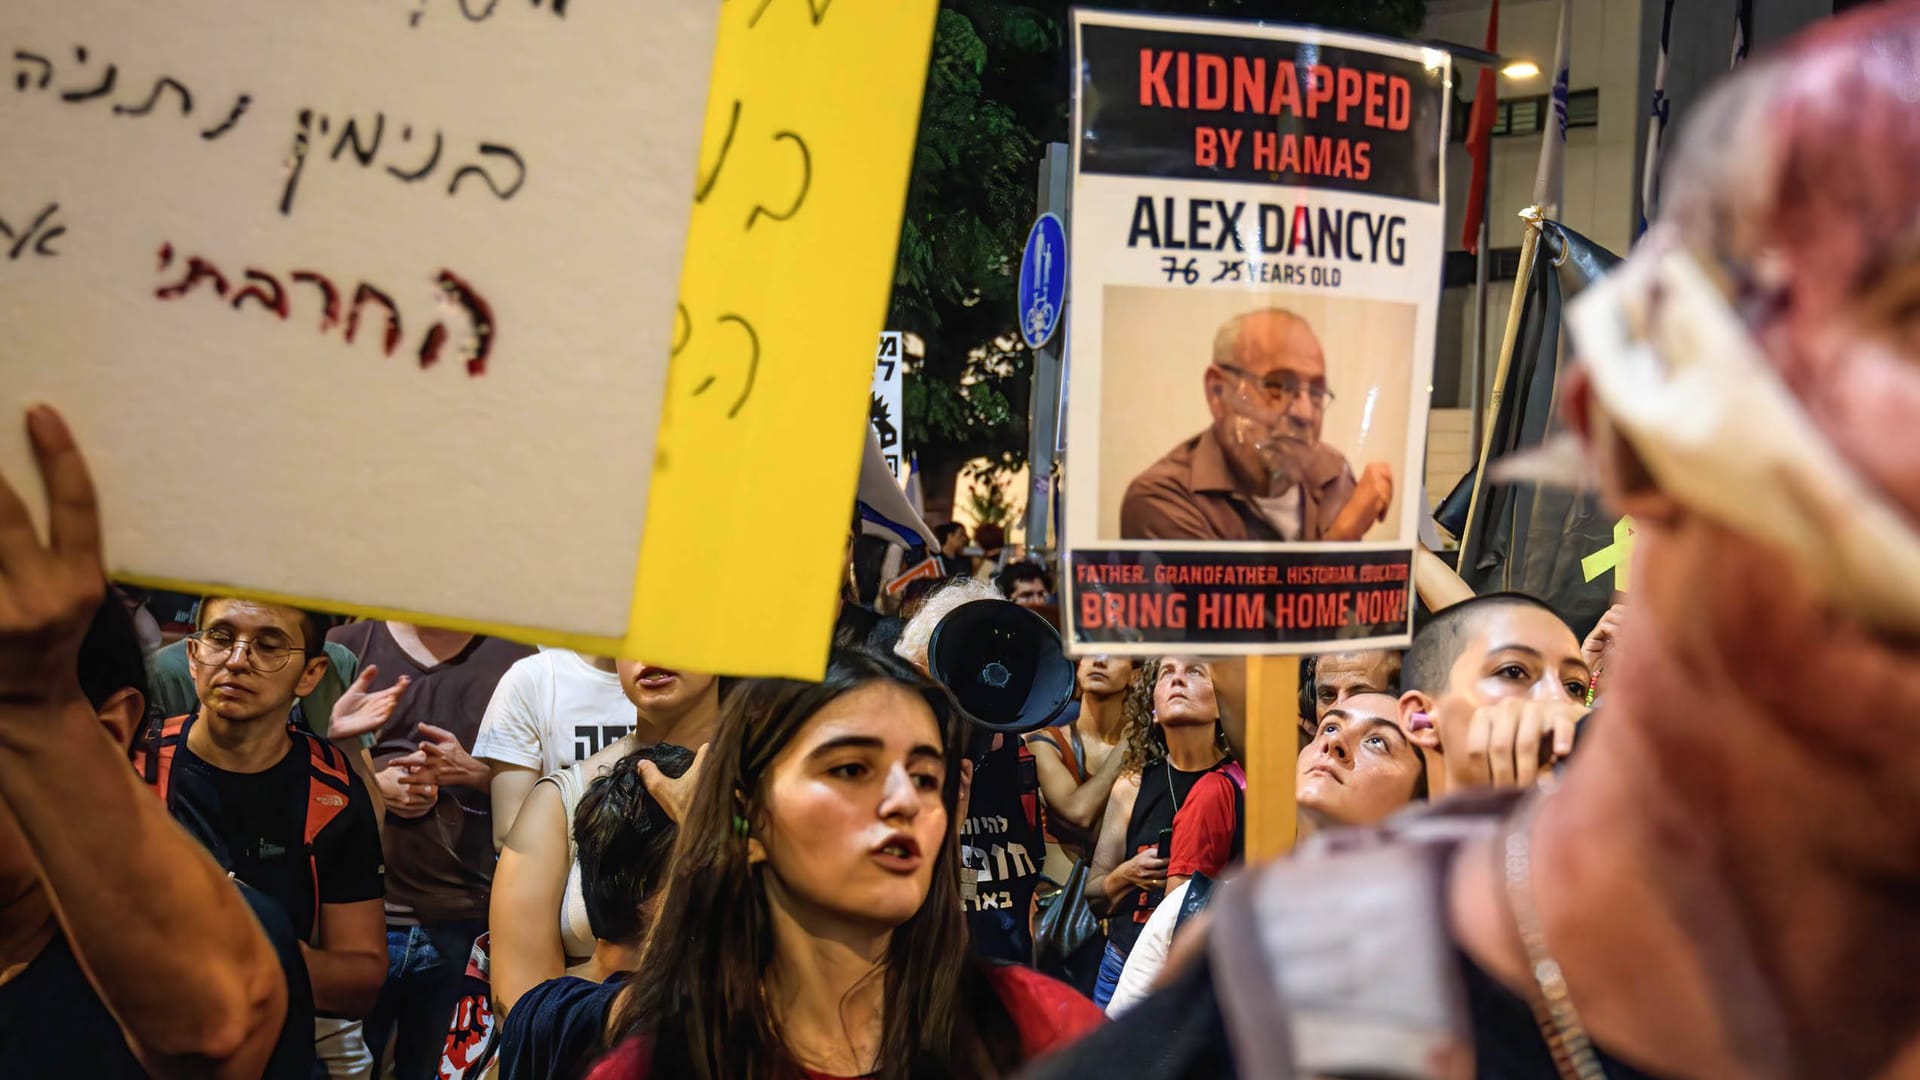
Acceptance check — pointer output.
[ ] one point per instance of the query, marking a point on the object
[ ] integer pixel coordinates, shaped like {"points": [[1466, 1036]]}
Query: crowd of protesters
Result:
{"points": [[605, 842], [272, 846]]}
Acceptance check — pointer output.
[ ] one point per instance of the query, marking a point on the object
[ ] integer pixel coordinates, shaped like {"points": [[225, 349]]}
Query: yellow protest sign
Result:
{"points": [[803, 175]]}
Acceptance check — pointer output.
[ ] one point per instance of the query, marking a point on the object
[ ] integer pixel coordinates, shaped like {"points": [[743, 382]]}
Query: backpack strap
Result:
{"points": [[1060, 830], [327, 782], [154, 753], [328, 794], [1069, 751], [1238, 775], [1338, 961], [1027, 780]]}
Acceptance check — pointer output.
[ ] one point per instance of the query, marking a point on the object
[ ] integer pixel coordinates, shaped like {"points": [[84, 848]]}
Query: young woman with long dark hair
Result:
{"points": [[811, 925]]}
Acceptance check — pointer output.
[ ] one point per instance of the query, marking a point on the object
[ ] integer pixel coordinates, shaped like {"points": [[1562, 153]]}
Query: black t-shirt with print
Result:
{"points": [[255, 823], [1002, 847], [53, 1023]]}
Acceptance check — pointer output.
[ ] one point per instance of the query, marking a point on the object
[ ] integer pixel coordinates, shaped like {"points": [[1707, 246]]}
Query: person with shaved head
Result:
{"points": [[1495, 692], [1260, 472]]}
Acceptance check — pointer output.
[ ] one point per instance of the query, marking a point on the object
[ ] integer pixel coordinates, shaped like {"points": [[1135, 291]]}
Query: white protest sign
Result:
{"points": [[1259, 231], [366, 304], [888, 406]]}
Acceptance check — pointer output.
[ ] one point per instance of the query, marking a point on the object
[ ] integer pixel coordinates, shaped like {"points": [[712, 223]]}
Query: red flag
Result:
{"points": [[1486, 101]]}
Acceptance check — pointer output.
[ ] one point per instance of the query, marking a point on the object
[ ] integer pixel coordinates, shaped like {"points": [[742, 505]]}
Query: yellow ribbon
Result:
{"points": [[1617, 556]]}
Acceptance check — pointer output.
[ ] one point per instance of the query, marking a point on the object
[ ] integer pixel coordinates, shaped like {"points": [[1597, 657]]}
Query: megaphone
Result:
{"points": [[1003, 664]]}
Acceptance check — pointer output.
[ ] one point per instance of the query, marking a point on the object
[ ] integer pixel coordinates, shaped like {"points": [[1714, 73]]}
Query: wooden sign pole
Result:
{"points": [[1272, 746]]}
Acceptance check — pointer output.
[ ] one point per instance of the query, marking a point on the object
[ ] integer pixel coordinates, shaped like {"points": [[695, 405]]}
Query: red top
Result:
{"points": [[1203, 829], [1048, 1015]]}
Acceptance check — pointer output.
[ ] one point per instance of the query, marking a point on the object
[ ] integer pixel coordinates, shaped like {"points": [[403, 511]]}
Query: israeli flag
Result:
{"points": [[882, 507], [1549, 180]]}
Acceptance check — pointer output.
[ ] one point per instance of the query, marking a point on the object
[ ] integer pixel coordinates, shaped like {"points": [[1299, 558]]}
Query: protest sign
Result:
{"points": [[370, 307], [809, 139], [886, 409], [365, 306], [927, 569], [1257, 239]]}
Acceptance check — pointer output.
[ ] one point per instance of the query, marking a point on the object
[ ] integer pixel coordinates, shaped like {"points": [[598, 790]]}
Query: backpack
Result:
{"points": [[1238, 774], [1305, 991], [1199, 886], [328, 787]]}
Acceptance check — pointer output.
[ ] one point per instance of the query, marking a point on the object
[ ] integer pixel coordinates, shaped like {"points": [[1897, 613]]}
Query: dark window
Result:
{"points": [[1583, 109], [1525, 116]]}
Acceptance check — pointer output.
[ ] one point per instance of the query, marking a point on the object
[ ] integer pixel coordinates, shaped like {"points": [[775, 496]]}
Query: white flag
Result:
{"points": [[1549, 181]]}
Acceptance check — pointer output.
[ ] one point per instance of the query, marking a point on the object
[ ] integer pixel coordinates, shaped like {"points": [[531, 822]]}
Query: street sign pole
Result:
{"points": [[1043, 409]]}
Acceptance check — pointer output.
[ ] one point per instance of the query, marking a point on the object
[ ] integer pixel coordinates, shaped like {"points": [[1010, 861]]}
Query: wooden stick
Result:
{"points": [[1521, 279], [1272, 746]]}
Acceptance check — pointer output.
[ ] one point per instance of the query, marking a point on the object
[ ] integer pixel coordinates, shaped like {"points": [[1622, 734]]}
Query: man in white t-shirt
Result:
{"points": [[550, 710]]}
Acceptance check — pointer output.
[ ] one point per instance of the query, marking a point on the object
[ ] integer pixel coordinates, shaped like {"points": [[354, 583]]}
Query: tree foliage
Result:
{"points": [[997, 93]]}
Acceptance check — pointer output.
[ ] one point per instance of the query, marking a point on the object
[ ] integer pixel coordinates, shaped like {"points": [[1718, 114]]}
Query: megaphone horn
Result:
{"points": [[1003, 664]]}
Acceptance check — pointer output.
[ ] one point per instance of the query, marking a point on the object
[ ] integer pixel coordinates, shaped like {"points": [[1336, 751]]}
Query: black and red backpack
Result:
{"points": [[328, 783]]}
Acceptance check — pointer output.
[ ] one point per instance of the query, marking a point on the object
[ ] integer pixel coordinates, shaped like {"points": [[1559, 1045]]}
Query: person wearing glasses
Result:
{"points": [[1260, 472], [244, 780]]}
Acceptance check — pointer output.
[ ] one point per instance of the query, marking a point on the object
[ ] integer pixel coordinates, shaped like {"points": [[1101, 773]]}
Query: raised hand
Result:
{"points": [[1507, 744], [445, 762], [406, 792], [1372, 493], [362, 711], [1605, 635], [674, 794], [48, 592]]}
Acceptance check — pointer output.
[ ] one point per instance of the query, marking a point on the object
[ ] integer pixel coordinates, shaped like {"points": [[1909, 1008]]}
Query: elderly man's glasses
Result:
{"points": [[1282, 387], [216, 646]]}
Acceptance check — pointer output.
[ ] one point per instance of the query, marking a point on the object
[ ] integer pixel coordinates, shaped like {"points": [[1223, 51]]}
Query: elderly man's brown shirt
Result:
{"points": [[1190, 495]]}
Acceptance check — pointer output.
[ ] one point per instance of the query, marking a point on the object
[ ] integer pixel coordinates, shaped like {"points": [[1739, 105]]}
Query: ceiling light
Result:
{"points": [[1521, 69]]}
